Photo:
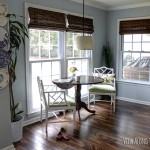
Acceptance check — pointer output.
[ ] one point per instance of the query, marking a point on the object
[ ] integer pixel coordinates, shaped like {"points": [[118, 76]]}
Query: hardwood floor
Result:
{"points": [[103, 131]]}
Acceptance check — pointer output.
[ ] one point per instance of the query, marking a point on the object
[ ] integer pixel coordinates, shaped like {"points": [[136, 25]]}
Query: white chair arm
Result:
{"points": [[55, 92], [114, 82]]}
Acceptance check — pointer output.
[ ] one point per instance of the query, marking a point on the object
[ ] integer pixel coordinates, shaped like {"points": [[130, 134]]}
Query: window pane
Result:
{"points": [[69, 51], [44, 37], [127, 46], [69, 39], [35, 97], [55, 68], [126, 72], [34, 52], [54, 38], [136, 46], [146, 47], [54, 52], [136, 37], [84, 67], [34, 36], [71, 63], [135, 57], [70, 46], [46, 68], [146, 37], [76, 53], [146, 55], [128, 38], [46, 72], [35, 70], [127, 59], [135, 71], [79, 66], [84, 53], [44, 52]]}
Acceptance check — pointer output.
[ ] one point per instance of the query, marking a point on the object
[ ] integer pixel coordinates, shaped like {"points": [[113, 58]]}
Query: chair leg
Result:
{"points": [[114, 105], [41, 113], [89, 101], [94, 98], [64, 113], [74, 118], [111, 99], [46, 119]]}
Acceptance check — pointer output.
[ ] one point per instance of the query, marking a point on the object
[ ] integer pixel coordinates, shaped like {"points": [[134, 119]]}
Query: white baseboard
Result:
{"points": [[8, 148], [133, 100], [34, 120]]}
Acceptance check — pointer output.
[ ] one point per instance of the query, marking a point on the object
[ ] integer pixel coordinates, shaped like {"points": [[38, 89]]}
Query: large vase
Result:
{"points": [[17, 129]]}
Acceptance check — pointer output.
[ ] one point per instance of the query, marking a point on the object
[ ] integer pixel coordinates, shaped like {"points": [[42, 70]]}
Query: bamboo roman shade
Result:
{"points": [[45, 19], [76, 24], [134, 26]]}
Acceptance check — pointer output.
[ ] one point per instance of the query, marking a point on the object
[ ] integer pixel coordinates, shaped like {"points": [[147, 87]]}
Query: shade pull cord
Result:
{"points": [[83, 17]]}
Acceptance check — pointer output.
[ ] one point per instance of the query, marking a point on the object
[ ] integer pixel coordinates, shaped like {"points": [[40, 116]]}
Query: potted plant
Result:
{"points": [[17, 34], [107, 57]]}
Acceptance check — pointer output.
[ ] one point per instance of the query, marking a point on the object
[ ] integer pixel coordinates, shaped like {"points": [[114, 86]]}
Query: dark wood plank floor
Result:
{"points": [[104, 131]]}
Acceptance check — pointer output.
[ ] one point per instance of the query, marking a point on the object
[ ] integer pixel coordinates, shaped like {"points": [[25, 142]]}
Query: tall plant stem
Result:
{"points": [[12, 104]]}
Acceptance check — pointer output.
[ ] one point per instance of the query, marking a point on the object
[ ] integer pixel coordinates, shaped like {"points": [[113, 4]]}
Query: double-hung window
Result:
{"points": [[135, 50], [51, 53]]}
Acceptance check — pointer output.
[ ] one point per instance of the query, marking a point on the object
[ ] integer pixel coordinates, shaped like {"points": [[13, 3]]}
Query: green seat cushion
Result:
{"points": [[102, 88], [70, 101]]}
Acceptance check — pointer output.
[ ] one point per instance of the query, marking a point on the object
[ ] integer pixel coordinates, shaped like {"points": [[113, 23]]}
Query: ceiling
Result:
{"points": [[115, 4]]}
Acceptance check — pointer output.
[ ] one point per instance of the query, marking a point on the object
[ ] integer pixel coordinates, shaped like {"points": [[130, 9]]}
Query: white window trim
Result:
{"points": [[63, 74], [118, 59]]}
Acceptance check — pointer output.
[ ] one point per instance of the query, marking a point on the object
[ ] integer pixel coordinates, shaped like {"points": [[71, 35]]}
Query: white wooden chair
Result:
{"points": [[55, 101], [108, 87]]}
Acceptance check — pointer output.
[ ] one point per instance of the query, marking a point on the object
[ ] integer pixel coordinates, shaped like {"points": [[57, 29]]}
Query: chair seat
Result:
{"points": [[102, 88], [63, 103]]}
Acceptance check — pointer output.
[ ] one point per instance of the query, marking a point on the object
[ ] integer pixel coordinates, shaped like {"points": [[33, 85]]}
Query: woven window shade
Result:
{"points": [[44, 19], [76, 24], [134, 26]]}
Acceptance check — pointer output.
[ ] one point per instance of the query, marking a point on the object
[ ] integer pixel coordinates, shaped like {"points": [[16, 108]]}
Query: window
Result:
{"points": [[52, 50], [136, 57], [135, 50], [49, 60]]}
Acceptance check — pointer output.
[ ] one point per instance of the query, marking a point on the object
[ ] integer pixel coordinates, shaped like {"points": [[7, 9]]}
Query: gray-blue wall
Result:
{"points": [[129, 91], [5, 127]]}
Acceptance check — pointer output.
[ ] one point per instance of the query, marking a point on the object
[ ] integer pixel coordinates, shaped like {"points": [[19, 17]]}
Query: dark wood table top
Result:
{"points": [[78, 80]]}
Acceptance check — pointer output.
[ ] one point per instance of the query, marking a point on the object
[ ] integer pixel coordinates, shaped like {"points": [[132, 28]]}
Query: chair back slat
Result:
{"points": [[41, 91], [104, 70], [58, 98], [55, 98]]}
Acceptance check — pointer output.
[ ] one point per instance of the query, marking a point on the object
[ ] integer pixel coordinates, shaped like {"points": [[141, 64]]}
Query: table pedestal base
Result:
{"points": [[79, 103]]}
